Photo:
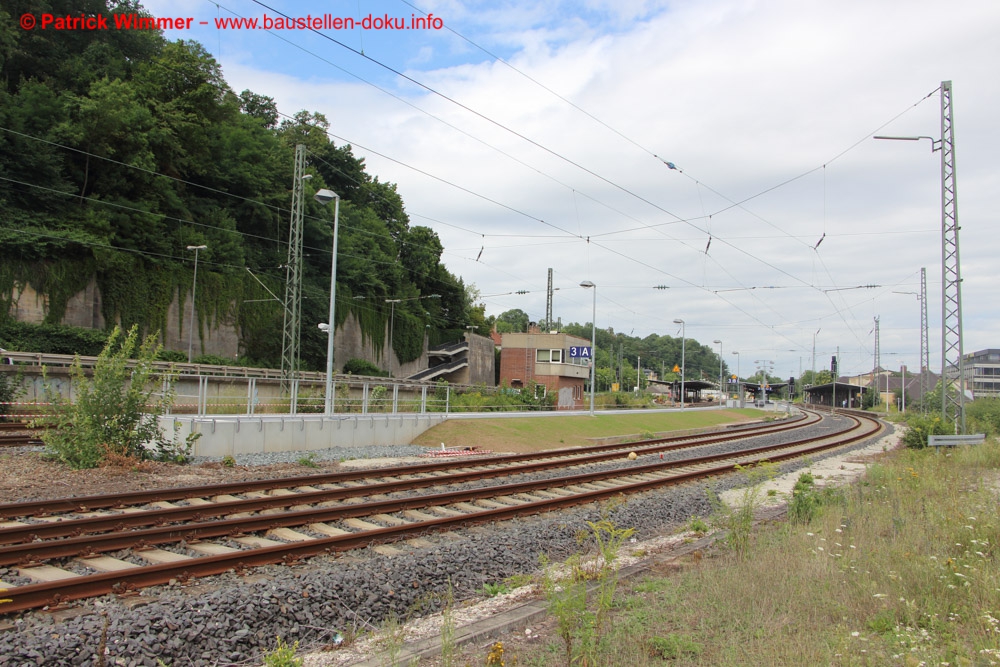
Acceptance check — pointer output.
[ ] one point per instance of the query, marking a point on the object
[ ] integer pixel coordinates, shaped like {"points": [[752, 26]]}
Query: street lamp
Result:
{"points": [[586, 284], [683, 340], [719, 343], [194, 285], [324, 196], [739, 388]]}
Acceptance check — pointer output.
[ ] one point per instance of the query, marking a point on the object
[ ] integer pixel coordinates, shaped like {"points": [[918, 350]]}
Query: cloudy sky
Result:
{"points": [[532, 135]]}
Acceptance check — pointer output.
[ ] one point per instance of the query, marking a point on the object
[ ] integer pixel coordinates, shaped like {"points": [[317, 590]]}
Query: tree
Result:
{"points": [[512, 321]]}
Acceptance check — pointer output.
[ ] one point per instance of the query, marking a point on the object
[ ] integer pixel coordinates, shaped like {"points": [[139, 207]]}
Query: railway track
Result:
{"points": [[178, 534], [16, 434]]}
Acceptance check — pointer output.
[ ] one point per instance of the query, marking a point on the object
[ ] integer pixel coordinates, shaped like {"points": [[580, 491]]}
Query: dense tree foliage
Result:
{"points": [[512, 321], [118, 149]]}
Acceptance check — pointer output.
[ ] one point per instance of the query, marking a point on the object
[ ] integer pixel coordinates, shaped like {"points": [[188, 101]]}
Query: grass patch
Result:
{"points": [[534, 433], [898, 569]]}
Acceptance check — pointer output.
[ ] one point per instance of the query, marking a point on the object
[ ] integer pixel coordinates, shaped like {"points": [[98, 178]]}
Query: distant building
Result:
{"points": [[544, 359], [982, 373], [907, 384]]}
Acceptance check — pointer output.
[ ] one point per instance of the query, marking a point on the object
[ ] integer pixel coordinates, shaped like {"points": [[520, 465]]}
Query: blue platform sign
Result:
{"points": [[579, 351]]}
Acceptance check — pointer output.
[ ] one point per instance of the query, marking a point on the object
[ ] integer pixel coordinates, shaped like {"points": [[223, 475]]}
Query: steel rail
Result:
{"points": [[105, 501], [19, 440], [38, 595]]}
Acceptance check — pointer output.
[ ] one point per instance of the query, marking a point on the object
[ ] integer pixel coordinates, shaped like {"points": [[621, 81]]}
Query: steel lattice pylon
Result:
{"points": [[293, 277], [952, 354]]}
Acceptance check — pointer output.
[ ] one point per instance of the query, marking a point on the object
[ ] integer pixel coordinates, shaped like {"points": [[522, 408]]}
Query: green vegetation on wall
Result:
{"points": [[122, 149]]}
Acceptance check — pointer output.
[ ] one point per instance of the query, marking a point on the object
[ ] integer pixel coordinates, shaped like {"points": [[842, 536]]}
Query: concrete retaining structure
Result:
{"points": [[233, 435]]}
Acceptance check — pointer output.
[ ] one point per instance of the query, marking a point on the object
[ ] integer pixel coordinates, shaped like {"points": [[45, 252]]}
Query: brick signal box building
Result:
{"points": [[544, 358]]}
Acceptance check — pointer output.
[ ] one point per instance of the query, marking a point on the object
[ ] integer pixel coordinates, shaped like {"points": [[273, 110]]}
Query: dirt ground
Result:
{"points": [[26, 475]]}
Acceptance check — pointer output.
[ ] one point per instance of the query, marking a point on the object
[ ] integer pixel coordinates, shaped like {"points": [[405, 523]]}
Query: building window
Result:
{"points": [[549, 356]]}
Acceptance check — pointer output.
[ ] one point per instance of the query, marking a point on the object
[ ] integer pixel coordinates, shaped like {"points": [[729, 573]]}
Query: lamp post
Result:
{"points": [[739, 389], [586, 284], [683, 341], [719, 343], [194, 285], [324, 196]]}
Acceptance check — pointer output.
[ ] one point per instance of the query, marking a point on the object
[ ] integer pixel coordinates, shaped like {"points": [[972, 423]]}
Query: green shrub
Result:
{"points": [[172, 356], [211, 360], [52, 339], [805, 503], [919, 427], [116, 411], [363, 367], [983, 416]]}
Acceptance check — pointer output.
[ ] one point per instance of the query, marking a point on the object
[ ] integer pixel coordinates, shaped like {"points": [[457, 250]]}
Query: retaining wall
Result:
{"points": [[233, 435]]}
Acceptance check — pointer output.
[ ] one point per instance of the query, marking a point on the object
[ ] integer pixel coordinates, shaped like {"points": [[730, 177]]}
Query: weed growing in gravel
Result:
{"points": [[493, 590], [567, 602], [228, 462], [580, 627], [697, 525], [283, 655], [495, 657], [738, 521], [309, 461], [449, 649], [609, 539], [389, 641]]}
